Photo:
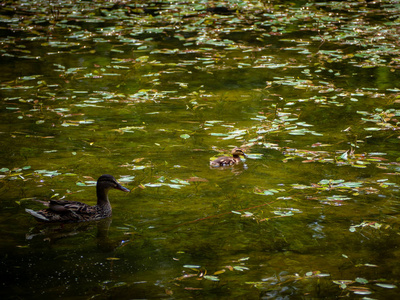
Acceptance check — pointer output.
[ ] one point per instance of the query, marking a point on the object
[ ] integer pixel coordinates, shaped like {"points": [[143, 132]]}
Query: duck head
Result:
{"points": [[107, 182], [237, 152]]}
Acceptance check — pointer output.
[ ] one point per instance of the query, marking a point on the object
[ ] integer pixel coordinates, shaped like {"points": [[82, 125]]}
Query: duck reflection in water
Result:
{"points": [[57, 232]]}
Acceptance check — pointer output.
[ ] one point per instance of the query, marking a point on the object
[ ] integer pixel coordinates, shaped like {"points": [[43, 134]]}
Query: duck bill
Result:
{"points": [[122, 188]]}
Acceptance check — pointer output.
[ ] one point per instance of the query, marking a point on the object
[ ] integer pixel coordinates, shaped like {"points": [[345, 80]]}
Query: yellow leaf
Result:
{"points": [[219, 272]]}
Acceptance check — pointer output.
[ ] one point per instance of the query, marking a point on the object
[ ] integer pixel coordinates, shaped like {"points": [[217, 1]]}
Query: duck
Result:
{"points": [[72, 211], [229, 161]]}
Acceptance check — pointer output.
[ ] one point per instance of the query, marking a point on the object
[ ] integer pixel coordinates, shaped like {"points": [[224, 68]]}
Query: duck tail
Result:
{"points": [[36, 215]]}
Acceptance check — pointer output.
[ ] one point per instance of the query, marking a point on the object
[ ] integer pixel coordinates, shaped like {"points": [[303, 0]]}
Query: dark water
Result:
{"points": [[308, 89]]}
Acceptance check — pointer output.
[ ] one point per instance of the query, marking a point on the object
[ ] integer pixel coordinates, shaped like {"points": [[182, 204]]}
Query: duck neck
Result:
{"points": [[102, 197], [236, 157]]}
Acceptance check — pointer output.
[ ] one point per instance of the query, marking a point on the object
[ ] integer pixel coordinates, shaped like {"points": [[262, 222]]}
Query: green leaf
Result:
{"points": [[283, 213], [218, 134], [361, 280], [138, 167], [185, 136], [268, 193], [240, 268], [372, 128], [211, 277], [323, 275], [127, 178], [153, 184], [174, 186], [324, 181], [353, 184], [344, 155], [191, 266], [254, 156], [386, 285]]}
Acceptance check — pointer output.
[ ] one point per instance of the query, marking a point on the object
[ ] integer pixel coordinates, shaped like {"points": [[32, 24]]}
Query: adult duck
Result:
{"points": [[228, 161], [73, 211]]}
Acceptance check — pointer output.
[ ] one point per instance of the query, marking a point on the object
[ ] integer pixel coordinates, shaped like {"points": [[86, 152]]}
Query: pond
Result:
{"points": [[150, 92]]}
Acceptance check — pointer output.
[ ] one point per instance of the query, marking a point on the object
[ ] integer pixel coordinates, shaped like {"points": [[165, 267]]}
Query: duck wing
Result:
{"points": [[65, 211], [63, 206], [223, 161]]}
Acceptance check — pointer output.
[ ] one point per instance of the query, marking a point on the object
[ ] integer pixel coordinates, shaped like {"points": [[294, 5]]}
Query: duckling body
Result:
{"points": [[73, 211], [228, 161]]}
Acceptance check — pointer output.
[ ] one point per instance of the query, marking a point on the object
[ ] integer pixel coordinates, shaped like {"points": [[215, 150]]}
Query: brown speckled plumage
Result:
{"points": [[73, 211], [228, 161]]}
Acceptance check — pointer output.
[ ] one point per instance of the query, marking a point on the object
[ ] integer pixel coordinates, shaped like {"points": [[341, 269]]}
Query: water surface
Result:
{"points": [[150, 93]]}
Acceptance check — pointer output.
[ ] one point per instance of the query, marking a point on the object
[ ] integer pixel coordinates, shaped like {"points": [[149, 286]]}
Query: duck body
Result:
{"points": [[73, 211], [228, 161]]}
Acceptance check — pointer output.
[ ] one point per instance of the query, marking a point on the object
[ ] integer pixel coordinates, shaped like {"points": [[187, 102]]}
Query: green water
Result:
{"points": [[308, 89]]}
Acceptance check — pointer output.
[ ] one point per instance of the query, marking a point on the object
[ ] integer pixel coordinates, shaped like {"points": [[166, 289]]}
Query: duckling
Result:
{"points": [[73, 211], [228, 161]]}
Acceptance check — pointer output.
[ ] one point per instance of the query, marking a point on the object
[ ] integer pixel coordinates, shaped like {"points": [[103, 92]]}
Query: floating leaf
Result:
{"points": [[386, 285], [254, 156], [181, 182], [138, 167], [371, 265], [218, 134], [153, 184], [174, 186], [185, 136], [191, 266], [127, 178], [361, 280], [240, 268], [268, 193], [211, 277], [372, 128], [360, 290], [214, 122], [323, 275], [353, 184], [283, 213]]}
